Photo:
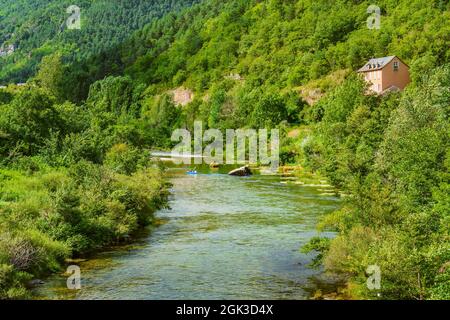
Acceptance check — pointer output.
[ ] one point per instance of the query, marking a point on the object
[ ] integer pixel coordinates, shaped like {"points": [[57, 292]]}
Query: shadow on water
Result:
{"points": [[223, 238]]}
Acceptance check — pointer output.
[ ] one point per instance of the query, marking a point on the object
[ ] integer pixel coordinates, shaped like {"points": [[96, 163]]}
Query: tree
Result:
{"points": [[28, 120], [114, 95], [50, 76], [269, 111]]}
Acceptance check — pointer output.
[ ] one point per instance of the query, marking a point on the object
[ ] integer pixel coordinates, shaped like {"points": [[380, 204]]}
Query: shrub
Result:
{"points": [[12, 282], [47, 216], [125, 159]]}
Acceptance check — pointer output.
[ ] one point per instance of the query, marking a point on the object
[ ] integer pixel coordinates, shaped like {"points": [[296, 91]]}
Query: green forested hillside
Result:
{"points": [[288, 64], [275, 50], [38, 28], [288, 43]]}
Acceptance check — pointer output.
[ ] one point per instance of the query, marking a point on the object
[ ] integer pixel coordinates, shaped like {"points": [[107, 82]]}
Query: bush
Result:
{"points": [[49, 215], [125, 159], [12, 282]]}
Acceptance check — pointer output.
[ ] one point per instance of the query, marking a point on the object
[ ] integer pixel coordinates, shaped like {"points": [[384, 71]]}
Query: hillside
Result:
{"points": [[37, 28], [280, 51], [288, 43]]}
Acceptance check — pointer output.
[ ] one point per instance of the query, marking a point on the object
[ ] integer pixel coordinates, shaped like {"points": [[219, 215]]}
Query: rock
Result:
{"points": [[75, 261], [444, 267], [35, 282], [182, 96], [241, 172], [214, 165]]}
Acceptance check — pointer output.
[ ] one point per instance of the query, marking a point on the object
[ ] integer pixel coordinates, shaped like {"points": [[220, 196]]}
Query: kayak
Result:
{"points": [[192, 172]]}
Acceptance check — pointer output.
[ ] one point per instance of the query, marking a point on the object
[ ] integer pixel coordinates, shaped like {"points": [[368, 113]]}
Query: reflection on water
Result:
{"points": [[224, 238]]}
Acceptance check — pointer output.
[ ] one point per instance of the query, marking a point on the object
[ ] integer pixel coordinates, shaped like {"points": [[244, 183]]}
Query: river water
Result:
{"points": [[223, 238]]}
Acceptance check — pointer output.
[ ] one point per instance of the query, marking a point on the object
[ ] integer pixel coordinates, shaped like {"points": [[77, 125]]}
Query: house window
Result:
{"points": [[396, 65]]}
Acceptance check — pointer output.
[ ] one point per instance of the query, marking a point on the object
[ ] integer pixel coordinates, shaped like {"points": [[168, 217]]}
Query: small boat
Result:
{"points": [[192, 172]]}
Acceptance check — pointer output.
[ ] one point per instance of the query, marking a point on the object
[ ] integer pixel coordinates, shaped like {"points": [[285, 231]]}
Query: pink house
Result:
{"points": [[386, 74]]}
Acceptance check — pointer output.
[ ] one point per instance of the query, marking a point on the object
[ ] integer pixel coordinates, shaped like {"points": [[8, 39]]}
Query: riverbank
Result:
{"points": [[52, 215], [225, 238]]}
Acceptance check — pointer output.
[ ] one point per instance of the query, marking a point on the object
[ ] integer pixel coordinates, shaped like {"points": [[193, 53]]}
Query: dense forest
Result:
{"points": [[38, 28], [288, 64]]}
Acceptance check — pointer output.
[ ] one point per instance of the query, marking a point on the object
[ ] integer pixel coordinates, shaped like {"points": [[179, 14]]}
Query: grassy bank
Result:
{"points": [[53, 214], [73, 178]]}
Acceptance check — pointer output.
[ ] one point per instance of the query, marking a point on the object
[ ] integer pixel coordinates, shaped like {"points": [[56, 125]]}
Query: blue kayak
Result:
{"points": [[192, 173]]}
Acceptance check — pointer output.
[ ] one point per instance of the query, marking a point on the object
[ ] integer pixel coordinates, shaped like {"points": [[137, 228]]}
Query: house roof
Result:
{"points": [[376, 64]]}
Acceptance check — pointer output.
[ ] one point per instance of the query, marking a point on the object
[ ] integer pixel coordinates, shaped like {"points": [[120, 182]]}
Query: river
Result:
{"points": [[223, 238]]}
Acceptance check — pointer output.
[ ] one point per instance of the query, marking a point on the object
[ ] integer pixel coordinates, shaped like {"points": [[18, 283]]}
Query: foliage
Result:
{"points": [[38, 28], [320, 245], [73, 178], [391, 153], [74, 172], [52, 214]]}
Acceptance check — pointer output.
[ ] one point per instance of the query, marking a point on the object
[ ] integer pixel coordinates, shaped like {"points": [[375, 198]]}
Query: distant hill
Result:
{"points": [[38, 27], [266, 44]]}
